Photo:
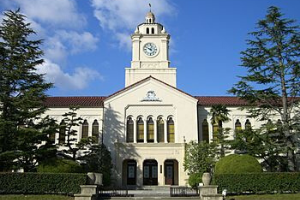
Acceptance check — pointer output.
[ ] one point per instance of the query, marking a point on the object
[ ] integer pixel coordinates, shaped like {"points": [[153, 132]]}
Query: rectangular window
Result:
{"points": [[171, 135], [160, 131], [129, 132], [150, 133], [140, 133], [85, 129]]}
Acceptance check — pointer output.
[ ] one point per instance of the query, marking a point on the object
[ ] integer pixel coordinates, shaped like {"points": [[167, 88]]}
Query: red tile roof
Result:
{"points": [[224, 100], [97, 101], [84, 102]]}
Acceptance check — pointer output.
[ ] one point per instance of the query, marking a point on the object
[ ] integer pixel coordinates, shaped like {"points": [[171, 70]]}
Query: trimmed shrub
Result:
{"points": [[41, 183], [258, 183], [58, 165], [237, 164], [195, 179]]}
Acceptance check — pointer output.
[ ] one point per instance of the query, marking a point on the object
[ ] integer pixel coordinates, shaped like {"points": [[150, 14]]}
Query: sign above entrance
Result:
{"points": [[151, 96]]}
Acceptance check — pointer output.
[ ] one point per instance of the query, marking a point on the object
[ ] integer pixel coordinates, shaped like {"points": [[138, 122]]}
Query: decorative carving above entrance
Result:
{"points": [[151, 96]]}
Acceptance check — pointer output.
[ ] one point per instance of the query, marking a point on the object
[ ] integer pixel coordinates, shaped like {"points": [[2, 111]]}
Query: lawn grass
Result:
{"points": [[266, 197], [35, 197]]}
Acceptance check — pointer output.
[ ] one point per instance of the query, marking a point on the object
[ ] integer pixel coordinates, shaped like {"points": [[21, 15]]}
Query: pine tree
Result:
{"points": [[71, 147], [22, 92], [272, 82]]}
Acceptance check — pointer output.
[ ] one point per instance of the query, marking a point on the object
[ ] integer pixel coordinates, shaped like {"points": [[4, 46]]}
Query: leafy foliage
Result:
{"points": [[271, 84], [58, 165], [237, 164], [199, 158], [70, 121], [195, 179], [41, 183], [258, 183], [99, 160], [266, 144], [219, 115], [22, 92]]}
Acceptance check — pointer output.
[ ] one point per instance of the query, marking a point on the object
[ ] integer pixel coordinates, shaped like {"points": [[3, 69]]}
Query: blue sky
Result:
{"points": [[87, 42]]}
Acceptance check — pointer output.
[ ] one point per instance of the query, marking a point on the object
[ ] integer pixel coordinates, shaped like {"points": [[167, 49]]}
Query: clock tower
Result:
{"points": [[150, 53]]}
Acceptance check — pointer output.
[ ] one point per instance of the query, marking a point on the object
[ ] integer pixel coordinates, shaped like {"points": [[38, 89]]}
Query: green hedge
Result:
{"points": [[258, 183], [41, 183], [237, 164]]}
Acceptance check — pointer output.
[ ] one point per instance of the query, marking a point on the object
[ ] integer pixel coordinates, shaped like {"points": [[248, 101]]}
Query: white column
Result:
{"points": [[90, 128], [134, 130], [165, 131], [155, 131], [145, 131]]}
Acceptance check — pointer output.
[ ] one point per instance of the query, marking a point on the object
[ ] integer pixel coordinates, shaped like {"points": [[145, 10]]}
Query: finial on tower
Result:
{"points": [[150, 18]]}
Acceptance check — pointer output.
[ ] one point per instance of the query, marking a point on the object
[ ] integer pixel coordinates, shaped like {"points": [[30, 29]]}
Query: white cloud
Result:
{"points": [[79, 42], [124, 40], [69, 42], [55, 50], [121, 17], [77, 81], [55, 12]]}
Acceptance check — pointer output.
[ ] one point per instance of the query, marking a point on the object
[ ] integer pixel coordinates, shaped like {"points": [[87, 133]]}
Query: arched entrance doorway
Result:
{"points": [[171, 172], [150, 172], [129, 172]]}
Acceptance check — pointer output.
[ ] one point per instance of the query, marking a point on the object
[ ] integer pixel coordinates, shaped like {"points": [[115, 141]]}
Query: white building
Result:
{"points": [[146, 124]]}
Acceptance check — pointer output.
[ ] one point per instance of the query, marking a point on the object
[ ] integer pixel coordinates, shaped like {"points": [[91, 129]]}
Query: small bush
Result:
{"points": [[41, 183], [258, 183], [59, 166], [195, 179], [237, 164]]}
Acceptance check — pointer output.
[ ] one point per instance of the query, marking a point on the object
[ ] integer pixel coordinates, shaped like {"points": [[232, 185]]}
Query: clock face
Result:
{"points": [[150, 49]]}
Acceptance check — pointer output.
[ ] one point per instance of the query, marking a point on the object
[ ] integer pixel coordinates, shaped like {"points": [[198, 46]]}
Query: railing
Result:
{"points": [[178, 191], [114, 193]]}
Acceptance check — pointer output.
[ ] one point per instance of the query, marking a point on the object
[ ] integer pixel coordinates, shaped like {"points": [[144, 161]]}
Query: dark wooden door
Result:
{"points": [[150, 172], [131, 173], [169, 174]]}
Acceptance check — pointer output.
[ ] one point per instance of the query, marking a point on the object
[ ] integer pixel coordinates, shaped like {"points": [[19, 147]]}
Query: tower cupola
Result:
{"points": [[150, 18]]}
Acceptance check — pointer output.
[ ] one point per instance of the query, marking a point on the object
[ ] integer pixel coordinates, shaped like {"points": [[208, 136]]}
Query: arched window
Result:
{"points": [[85, 129], [247, 124], [147, 30], [150, 130], [216, 127], [95, 131], [129, 134], [171, 131], [152, 30], [62, 132], [160, 130], [205, 136], [237, 125], [140, 130]]}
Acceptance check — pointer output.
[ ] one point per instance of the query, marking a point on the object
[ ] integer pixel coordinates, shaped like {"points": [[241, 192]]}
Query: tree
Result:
{"points": [[70, 121], [264, 144], [199, 158], [271, 85], [22, 93], [98, 159], [219, 115]]}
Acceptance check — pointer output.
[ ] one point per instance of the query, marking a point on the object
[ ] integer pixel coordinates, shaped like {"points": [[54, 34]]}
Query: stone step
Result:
{"points": [[155, 188]]}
